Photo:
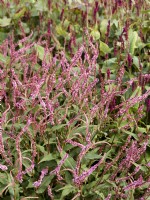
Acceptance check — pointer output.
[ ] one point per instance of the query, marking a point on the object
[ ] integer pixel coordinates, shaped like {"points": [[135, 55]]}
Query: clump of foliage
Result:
{"points": [[74, 100]]}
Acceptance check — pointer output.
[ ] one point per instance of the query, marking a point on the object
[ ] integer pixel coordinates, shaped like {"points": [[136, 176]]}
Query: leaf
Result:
{"points": [[40, 51], [25, 27], [82, 129], [103, 27], [147, 87], [143, 168], [46, 181], [3, 58], [136, 62], [133, 36], [54, 128], [130, 133], [69, 162], [41, 148], [137, 92], [79, 40], [66, 23], [75, 4], [112, 183], [2, 189], [104, 48], [19, 14], [3, 36], [122, 123], [68, 177], [100, 194], [3, 178], [48, 158], [66, 190], [92, 155], [5, 22], [145, 11], [142, 130], [11, 185], [41, 6], [60, 31], [95, 34], [110, 64]]}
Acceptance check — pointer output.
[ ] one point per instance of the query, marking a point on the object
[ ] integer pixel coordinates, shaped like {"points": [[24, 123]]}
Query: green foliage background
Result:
{"points": [[58, 22]]}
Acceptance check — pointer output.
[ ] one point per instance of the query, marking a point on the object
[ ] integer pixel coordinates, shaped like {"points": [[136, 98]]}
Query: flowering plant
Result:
{"points": [[74, 102]]}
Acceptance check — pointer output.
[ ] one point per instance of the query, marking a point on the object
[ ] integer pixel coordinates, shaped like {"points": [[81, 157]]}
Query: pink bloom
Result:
{"points": [[134, 184], [3, 167], [43, 173]]}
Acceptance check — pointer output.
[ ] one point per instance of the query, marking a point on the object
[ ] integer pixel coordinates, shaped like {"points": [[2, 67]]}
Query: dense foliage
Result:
{"points": [[74, 99]]}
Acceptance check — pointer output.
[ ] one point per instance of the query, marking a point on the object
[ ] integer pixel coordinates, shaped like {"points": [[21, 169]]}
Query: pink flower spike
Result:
{"points": [[135, 184], [44, 172], [3, 167]]}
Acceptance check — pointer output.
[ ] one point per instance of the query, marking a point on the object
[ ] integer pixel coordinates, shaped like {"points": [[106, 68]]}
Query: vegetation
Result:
{"points": [[74, 99]]}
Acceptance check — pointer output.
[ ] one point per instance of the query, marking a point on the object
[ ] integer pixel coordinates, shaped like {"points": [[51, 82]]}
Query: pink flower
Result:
{"points": [[134, 184], [43, 173], [3, 167], [57, 169], [78, 180]]}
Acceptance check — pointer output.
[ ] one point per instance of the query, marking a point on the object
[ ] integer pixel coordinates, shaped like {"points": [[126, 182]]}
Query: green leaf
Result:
{"points": [[133, 36], [11, 185], [68, 177], [130, 133], [25, 27], [79, 40], [41, 148], [3, 178], [137, 92], [100, 194], [104, 48], [122, 123], [95, 34], [54, 128], [41, 6], [19, 14], [110, 64], [3, 58], [103, 27], [136, 62], [145, 11], [75, 4], [82, 129], [92, 155], [3, 36], [46, 181], [142, 130], [60, 31], [40, 51], [66, 190], [69, 162], [2, 189], [141, 167], [5, 22], [48, 158]]}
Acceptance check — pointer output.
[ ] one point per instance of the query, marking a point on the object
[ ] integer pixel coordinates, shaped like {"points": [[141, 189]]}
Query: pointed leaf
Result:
{"points": [[48, 158], [133, 38], [104, 48], [46, 181], [5, 22]]}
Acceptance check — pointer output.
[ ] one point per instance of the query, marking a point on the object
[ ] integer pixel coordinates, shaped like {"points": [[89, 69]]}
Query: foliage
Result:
{"points": [[74, 99]]}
